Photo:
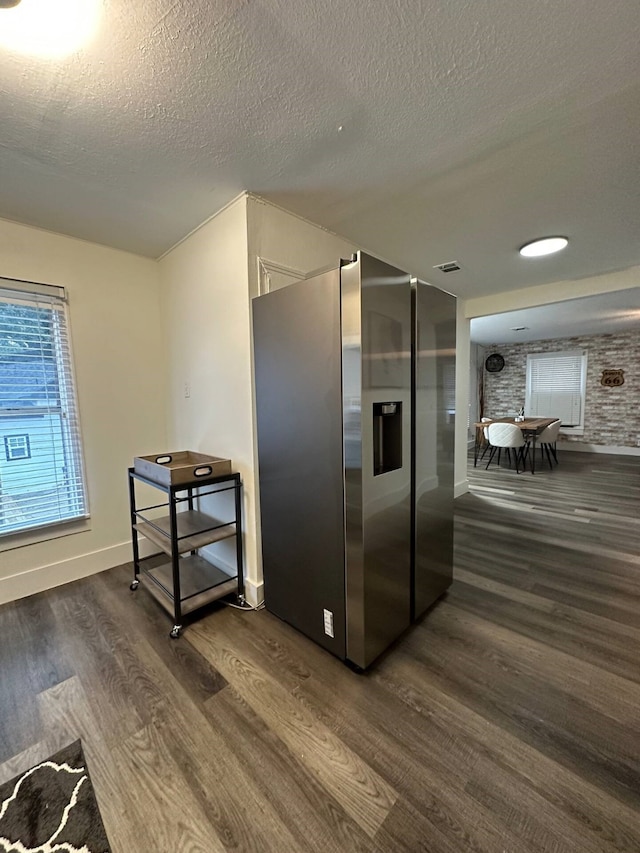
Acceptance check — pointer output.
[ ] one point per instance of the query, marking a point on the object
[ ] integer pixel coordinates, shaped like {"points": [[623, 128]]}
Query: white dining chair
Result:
{"points": [[485, 433], [547, 439], [509, 437]]}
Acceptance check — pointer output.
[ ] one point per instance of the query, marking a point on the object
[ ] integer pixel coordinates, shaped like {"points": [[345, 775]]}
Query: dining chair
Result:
{"points": [[547, 439], [509, 437], [485, 433]]}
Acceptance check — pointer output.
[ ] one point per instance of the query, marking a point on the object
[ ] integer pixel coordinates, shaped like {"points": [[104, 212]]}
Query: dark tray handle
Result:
{"points": [[203, 471], [163, 460]]}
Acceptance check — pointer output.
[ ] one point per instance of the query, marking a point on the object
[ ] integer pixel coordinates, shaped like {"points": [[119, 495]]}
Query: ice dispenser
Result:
{"points": [[387, 437]]}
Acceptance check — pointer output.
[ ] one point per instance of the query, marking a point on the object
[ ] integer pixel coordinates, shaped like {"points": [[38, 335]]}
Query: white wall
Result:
{"points": [[119, 362], [205, 316]]}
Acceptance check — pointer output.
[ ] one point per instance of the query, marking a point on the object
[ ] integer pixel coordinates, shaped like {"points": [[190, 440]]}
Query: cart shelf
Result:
{"points": [[201, 582], [195, 530]]}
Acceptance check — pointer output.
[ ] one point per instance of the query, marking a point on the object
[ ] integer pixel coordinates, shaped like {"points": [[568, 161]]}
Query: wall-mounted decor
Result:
{"points": [[494, 362], [612, 378]]}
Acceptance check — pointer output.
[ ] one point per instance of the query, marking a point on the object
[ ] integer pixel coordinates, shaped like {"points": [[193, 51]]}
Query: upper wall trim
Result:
{"points": [[546, 294], [268, 269], [261, 200], [202, 224]]}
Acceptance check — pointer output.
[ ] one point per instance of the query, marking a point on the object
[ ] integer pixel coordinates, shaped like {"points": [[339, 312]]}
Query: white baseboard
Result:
{"points": [[55, 574], [460, 488], [583, 447], [253, 592]]}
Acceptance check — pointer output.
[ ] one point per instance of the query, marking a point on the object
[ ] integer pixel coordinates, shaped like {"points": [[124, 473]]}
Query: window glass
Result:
{"points": [[41, 470]]}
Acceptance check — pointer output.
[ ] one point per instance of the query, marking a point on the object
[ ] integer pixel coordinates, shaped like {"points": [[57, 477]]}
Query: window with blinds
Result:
{"points": [[556, 385], [41, 468]]}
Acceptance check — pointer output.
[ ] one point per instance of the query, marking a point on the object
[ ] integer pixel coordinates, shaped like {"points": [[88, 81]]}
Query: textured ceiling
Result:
{"points": [[468, 127]]}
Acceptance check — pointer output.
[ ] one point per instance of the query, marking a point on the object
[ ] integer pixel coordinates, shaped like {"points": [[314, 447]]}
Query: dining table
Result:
{"points": [[531, 429]]}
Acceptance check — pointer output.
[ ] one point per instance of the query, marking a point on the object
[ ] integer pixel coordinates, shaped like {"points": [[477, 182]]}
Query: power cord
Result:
{"points": [[245, 606]]}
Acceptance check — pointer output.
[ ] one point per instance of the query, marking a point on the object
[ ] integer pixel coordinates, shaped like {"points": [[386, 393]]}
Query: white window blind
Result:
{"points": [[41, 468], [556, 384]]}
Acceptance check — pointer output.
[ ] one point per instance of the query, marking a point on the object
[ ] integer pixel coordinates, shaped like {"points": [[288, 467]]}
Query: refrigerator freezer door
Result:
{"points": [[297, 352], [376, 343], [434, 410]]}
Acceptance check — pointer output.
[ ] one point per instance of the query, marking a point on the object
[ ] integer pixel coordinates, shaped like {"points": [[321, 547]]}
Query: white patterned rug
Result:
{"points": [[51, 808]]}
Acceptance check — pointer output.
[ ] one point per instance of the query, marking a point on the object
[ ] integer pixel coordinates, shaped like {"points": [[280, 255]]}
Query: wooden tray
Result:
{"points": [[183, 466]]}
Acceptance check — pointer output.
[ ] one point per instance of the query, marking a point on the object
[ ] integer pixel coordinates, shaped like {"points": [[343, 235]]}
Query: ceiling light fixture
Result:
{"points": [[546, 246], [46, 29]]}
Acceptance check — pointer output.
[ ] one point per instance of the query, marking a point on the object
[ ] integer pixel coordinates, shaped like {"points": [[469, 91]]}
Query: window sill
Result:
{"points": [[23, 538]]}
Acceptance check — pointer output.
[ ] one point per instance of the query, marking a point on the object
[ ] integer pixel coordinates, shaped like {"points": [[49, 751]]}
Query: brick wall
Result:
{"points": [[612, 415]]}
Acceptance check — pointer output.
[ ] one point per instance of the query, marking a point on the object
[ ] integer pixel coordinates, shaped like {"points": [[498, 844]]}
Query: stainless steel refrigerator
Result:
{"points": [[354, 380]]}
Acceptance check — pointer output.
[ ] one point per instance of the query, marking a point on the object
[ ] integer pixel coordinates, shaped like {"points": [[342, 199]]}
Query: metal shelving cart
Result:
{"points": [[186, 582]]}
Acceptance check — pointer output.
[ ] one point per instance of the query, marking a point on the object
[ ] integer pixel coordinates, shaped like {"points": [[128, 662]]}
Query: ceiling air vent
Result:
{"points": [[451, 266]]}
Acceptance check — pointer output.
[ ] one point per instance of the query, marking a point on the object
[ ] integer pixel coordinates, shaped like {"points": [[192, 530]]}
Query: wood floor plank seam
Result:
{"points": [[438, 797], [547, 603], [554, 541], [365, 796], [611, 655], [556, 667], [567, 788], [314, 817]]}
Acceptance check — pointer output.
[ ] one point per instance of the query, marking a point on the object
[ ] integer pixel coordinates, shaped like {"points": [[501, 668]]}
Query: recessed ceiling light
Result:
{"points": [[546, 246], [47, 29]]}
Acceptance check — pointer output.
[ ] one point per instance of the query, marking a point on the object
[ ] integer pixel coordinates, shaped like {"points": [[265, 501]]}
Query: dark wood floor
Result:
{"points": [[508, 721]]}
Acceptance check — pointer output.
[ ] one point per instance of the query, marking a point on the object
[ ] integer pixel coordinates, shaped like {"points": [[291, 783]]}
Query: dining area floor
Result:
{"points": [[587, 505]]}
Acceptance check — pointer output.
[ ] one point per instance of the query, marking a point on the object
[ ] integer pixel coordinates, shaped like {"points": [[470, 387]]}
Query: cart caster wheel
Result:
{"points": [[175, 632], [242, 601], [133, 586]]}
